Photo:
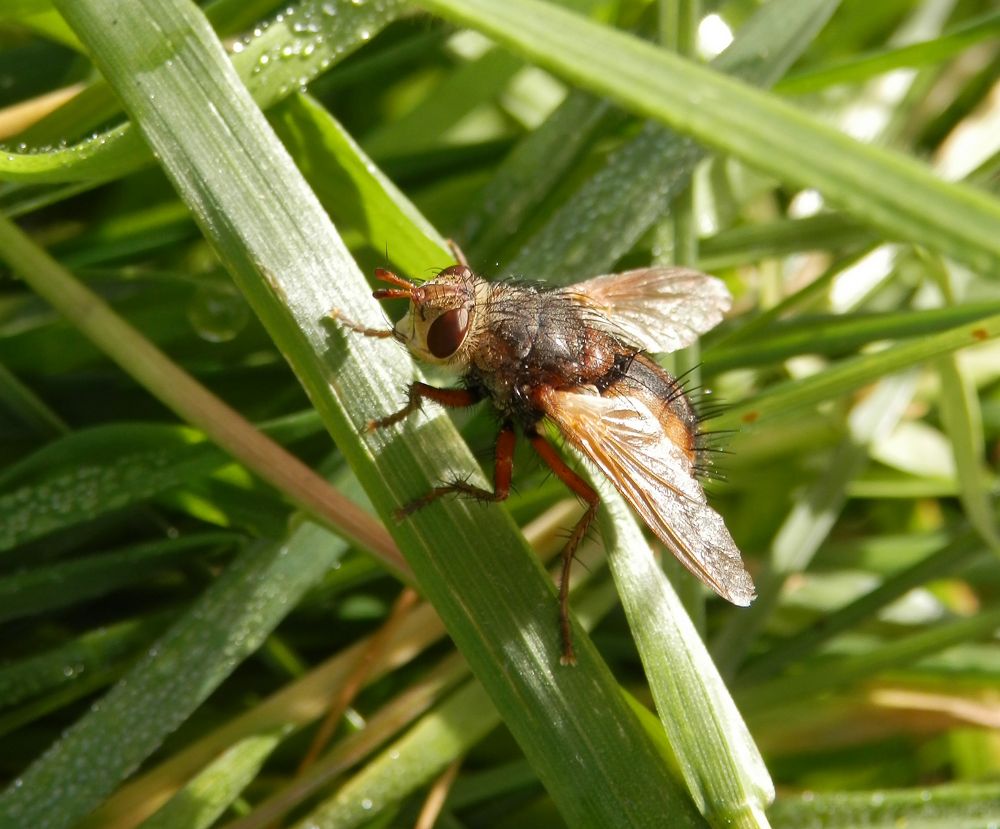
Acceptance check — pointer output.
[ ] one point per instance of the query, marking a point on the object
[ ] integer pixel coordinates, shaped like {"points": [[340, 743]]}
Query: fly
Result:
{"points": [[577, 357]]}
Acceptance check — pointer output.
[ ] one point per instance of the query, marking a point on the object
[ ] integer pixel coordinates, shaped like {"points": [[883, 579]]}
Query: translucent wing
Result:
{"points": [[630, 445], [658, 309]]}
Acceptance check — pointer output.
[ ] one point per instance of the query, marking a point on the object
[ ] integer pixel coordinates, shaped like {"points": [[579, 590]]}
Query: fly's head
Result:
{"points": [[439, 326]]}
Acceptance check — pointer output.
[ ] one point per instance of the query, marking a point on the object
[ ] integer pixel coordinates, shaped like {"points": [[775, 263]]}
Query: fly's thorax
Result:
{"points": [[440, 325]]}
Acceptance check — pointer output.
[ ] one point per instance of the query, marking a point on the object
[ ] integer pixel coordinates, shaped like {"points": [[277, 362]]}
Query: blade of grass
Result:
{"points": [[40, 16], [716, 754], [263, 221], [305, 40], [746, 244], [94, 652], [466, 87], [202, 801], [957, 806], [622, 200], [530, 171], [178, 390], [813, 515], [949, 559], [61, 585], [909, 203], [831, 674], [92, 472], [227, 624], [963, 423], [783, 399], [675, 242], [355, 192], [27, 407], [835, 334], [863, 67]]}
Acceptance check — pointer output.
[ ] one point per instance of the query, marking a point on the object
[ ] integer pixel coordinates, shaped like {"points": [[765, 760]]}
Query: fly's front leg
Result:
{"points": [[418, 392], [580, 487], [502, 472], [358, 328]]}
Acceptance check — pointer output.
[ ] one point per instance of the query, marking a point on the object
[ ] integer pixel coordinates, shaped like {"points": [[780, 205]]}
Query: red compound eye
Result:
{"points": [[447, 332]]}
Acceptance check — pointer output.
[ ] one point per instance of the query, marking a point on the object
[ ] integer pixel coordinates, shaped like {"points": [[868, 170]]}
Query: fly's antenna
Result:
{"points": [[404, 289]]}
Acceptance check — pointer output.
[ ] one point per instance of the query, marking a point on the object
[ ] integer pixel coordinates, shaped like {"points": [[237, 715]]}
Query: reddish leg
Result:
{"points": [[502, 472], [580, 487], [418, 392]]}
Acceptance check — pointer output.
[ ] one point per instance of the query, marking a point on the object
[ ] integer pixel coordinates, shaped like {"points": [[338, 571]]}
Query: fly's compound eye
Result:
{"points": [[447, 332]]}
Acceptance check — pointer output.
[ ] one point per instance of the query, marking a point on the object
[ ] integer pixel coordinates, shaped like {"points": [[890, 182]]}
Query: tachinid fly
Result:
{"points": [[576, 356]]}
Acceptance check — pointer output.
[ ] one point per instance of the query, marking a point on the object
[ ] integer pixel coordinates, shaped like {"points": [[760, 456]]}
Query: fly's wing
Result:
{"points": [[657, 309], [630, 445]]}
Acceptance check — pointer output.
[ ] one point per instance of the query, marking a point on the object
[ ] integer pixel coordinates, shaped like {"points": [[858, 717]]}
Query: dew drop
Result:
{"points": [[218, 312]]}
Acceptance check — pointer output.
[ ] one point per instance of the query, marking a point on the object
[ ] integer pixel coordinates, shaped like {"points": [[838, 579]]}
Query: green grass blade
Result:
{"points": [[862, 67], [963, 422], [783, 399], [228, 623], [836, 334], [466, 87], [957, 806], [39, 589], [531, 171], [40, 16], [283, 253], [91, 473], [813, 515], [949, 559], [306, 40], [25, 405], [95, 652], [205, 798], [832, 674], [746, 244], [717, 756], [909, 203], [357, 194], [614, 207]]}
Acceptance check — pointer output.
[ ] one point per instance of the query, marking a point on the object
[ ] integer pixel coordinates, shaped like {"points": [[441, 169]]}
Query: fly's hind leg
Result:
{"points": [[580, 487], [502, 473]]}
